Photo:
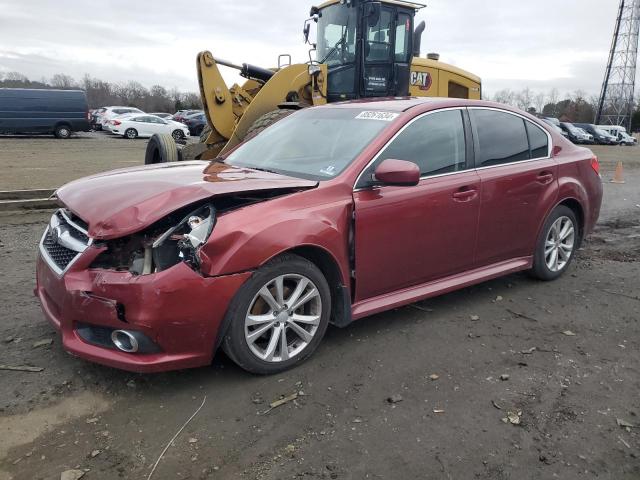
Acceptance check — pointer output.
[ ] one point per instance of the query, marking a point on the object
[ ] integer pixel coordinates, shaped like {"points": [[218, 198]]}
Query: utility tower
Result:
{"points": [[616, 97]]}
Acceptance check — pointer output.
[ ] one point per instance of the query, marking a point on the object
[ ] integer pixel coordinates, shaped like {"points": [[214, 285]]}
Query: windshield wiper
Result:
{"points": [[335, 47], [264, 170]]}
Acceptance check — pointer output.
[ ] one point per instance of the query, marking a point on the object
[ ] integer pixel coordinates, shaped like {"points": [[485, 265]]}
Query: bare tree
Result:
{"points": [[62, 81]]}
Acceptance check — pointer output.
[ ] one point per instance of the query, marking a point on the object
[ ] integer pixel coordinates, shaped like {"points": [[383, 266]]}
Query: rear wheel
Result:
{"points": [[62, 131], [131, 133], [177, 134], [161, 149], [279, 317], [557, 244]]}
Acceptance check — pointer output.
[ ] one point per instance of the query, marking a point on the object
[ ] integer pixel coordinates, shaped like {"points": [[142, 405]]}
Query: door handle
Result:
{"points": [[465, 194], [545, 178]]}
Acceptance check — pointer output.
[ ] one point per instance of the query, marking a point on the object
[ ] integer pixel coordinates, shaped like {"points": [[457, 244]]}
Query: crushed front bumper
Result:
{"points": [[178, 310]]}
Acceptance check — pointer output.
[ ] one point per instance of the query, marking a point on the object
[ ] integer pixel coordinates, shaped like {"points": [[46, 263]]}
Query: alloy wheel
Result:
{"points": [[559, 244], [283, 318]]}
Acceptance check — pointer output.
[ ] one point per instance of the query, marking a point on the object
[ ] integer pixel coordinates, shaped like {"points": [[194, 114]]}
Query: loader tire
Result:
{"points": [[193, 151], [204, 134], [161, 148], [265, 121]]}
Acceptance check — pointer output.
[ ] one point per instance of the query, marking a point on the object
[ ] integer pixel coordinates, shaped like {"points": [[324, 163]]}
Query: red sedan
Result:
{"points": [[330, 215]]}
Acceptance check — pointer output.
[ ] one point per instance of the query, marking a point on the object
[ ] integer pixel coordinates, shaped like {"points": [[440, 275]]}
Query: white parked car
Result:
{"points": [[111, 112], [134, 126]]}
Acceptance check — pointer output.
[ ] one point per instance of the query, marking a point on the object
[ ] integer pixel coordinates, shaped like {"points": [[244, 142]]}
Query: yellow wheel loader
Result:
{"points": [[364, 49]]}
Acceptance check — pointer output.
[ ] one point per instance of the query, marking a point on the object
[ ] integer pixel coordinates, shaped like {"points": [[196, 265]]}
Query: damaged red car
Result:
{"points": [[330, 215]]}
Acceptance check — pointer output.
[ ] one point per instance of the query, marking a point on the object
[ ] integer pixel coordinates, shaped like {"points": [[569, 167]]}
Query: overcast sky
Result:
{"points": [[510, 44]]}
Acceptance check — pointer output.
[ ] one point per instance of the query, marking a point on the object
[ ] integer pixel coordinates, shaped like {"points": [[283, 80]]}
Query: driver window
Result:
{"points": [[379, 38], [434, 142]]}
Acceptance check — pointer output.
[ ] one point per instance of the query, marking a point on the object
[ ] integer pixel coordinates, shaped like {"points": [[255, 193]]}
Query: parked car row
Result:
{"points": [[131, 122], [589, 134]]}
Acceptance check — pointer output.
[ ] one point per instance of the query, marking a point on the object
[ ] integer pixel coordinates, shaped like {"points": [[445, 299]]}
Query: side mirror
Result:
{"points": [[306, 30], [398, 172]]}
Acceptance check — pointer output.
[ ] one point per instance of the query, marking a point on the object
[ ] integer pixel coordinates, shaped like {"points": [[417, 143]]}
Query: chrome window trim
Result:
{"points": [[397, 134], [45, 255], [515, 114], [473, 168]]}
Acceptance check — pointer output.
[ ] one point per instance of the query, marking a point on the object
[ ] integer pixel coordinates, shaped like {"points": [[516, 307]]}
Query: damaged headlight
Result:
{"points": [[179, 243], [175, 239]]}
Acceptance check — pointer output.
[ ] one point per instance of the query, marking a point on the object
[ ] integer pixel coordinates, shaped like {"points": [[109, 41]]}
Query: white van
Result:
{"points": [[620, 133]]}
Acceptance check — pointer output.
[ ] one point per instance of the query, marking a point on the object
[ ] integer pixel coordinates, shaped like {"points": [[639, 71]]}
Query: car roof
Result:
{"points": [[403, 104]]}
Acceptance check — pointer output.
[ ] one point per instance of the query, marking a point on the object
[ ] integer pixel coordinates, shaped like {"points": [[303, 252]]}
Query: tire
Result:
{"points": [[177, 135], [544, 267], [266, 121], [161, 149], [255, 356], [62, 132], [131, 133], [204, 133]]}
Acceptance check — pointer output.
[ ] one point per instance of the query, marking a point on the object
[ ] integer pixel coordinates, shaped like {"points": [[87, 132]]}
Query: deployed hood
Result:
{"points": [[122, 202]]}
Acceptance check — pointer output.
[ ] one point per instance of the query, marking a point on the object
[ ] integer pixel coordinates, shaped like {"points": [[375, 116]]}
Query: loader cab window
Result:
{"points": [[378, 47], [337, 35], [403, 33]]}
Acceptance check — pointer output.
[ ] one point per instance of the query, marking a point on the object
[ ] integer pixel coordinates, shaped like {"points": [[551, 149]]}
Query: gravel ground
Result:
{"points": [[560, 358]]}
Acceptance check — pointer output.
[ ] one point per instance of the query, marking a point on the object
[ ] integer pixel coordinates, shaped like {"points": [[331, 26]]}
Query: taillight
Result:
{"points": [[88, 116], [116, 122], [595, 164]]}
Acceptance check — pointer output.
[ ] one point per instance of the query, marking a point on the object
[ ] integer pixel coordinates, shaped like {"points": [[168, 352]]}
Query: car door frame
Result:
{"points": [[469, 171], [544, 163]]}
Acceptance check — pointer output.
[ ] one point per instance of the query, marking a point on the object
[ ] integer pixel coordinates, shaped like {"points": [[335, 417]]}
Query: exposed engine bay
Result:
{"points": [[174, 239]]}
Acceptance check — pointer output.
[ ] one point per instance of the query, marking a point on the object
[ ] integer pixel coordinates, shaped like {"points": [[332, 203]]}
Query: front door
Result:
{"points": [[406, 236]]}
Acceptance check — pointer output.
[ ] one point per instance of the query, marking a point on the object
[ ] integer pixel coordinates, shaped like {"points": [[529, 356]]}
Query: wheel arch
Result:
{"points": [[338, 285], [575, 206], [62, 123]]}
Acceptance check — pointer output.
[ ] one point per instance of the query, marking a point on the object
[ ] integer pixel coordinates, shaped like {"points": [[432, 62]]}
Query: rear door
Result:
{"points": [[406, 236], [519, 179]]}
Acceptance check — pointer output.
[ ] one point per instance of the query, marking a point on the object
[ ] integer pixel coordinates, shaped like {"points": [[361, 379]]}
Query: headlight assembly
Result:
{"points": [[175, 239]]}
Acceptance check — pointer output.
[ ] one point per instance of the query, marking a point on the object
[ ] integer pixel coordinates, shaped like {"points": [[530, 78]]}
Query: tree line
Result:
{"points": [[101, 93], [575, 107]]}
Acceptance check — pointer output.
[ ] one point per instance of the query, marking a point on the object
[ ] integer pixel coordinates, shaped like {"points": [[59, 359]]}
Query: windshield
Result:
{"points": [[337, 35], [602, 132], [315, 143], [571, 128]]}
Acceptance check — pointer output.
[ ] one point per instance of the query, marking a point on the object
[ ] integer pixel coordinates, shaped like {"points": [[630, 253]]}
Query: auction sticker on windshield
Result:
{"points": [[382, 116]]}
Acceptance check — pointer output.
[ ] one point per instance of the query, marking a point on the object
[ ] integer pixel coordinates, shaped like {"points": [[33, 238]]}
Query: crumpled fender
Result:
{"points": [[248, 238]]}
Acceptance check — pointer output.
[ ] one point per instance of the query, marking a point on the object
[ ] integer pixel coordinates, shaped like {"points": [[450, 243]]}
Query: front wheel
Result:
{"points": [[278, 317], [557, 244]]}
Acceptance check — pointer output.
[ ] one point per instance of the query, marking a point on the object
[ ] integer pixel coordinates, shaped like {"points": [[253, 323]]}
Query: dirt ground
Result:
{"points": [[570, 349]]}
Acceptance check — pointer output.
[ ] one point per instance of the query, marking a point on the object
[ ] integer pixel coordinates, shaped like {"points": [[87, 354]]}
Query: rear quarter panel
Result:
{"points": [[577, 180]]}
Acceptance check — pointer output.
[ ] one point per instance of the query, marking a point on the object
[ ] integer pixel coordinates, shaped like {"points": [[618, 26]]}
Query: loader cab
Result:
{"points": [[367, 47]]}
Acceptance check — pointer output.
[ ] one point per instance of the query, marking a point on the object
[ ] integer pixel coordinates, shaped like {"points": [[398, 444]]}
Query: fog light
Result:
{"points": [[124, 341]]}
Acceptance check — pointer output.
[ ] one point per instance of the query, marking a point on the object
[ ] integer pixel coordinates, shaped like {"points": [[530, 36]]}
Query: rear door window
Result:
{"points": [[500, 137], [538, 140]]}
